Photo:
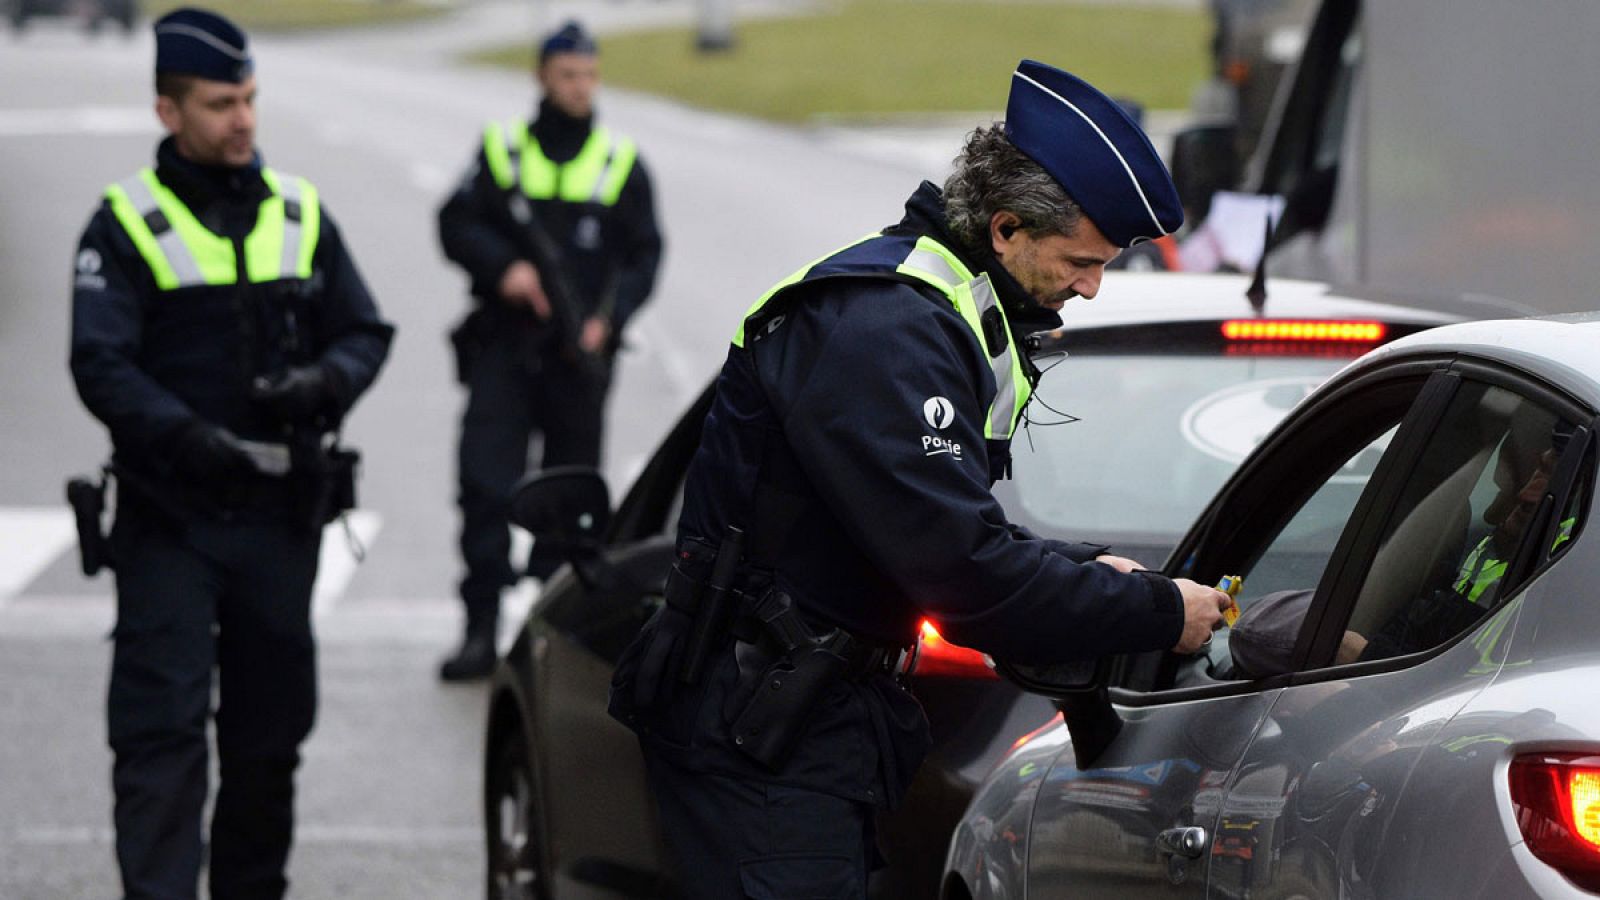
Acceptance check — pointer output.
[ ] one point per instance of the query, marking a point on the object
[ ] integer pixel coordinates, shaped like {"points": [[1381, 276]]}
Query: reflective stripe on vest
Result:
{"points": [[973, 297], [1479, 574], [1480, 571], [595, 175], [181, 252]]}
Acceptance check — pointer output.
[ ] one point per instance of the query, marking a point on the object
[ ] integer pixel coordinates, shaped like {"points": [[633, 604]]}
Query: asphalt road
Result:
{"points": [[383, 122]]}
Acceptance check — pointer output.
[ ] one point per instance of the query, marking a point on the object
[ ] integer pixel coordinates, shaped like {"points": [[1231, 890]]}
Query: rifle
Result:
{"points": [[566, 307]]}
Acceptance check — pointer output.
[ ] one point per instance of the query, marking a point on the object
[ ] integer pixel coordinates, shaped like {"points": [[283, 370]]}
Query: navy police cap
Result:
{"points": [[569, 38], [199, 42], [1095, 151]]}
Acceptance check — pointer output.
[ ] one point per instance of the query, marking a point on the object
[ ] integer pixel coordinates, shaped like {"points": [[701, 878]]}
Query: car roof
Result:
{"points": [[1559, 349], [1134, 298]]}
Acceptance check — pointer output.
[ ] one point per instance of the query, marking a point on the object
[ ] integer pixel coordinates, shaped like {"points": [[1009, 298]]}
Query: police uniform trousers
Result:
{"points": [[232, 597], [737, 838], [736, 830], [515, 392]]}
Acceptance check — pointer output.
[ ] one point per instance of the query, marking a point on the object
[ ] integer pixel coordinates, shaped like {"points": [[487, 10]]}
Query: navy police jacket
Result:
{"points": [[609, 239], [858, 425], [862, 400], [150, 360]]}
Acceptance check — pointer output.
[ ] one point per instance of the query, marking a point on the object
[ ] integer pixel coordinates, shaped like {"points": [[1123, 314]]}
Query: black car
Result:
{"points": [[1153, 394]]}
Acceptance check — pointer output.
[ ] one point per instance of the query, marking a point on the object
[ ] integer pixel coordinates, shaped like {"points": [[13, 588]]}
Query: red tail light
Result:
{"points": [[1557, 801], [938, 658], [1304, 330]]}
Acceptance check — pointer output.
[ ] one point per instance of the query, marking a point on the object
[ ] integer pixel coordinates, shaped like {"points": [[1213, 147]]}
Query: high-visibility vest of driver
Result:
{"points": [[595, 175], [1482, 569], [181, 252]]}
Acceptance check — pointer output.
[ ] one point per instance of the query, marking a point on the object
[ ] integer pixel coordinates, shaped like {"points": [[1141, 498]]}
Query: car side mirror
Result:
{"points": [[1205, 159], [567, 507], [1079, 689]]}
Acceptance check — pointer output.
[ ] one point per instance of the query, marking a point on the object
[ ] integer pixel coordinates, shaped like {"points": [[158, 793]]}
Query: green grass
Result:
{"points": [[878, 58], [304, 15]]}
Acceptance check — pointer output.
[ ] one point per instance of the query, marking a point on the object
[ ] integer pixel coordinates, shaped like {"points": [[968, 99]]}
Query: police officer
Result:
{"points": [[556, 227], [840, 493], [221, 332]]}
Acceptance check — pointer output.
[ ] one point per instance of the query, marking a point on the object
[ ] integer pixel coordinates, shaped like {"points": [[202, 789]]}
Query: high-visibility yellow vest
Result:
{"points": [[1481, 569], [182, 253], [973, 296], [595, 175]]}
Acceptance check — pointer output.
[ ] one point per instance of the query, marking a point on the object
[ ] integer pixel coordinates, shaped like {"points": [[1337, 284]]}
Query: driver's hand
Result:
{"points": [[1202, 614]]}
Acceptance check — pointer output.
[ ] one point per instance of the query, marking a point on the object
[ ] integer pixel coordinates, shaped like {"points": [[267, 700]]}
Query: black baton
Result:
{"points": [[712, 603]]}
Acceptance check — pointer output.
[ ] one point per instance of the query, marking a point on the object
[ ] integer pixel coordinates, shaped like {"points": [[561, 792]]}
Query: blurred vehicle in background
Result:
{"points": [[1454, 754], [92, 13], [1413, 150], [1255, 43], [1168, 381]]}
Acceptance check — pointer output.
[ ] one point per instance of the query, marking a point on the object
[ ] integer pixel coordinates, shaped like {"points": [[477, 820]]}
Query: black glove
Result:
{"points": [[297, 394], [211, 454]]}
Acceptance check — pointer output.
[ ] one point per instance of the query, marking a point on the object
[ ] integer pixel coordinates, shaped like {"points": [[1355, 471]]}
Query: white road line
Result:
{"points": [[30, 539], [514, 603], [67, 121], [521, 543], [397, 836], [339, 559], [430, 622], [304, 833]]}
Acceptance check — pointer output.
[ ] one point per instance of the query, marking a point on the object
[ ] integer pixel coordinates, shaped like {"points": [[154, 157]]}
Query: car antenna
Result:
{"points": [[1257, 292]]}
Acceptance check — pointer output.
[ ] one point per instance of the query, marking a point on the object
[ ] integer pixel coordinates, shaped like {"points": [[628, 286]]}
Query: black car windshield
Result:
{"points": [[1148, 440]]}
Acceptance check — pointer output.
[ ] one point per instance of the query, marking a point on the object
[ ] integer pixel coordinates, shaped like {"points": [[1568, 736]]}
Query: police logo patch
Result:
{"points": [[938, 412], [88, 261], [587, 234]]}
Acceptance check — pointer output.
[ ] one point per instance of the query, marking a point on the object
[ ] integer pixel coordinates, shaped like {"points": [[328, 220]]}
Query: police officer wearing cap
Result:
{"points": [[555, 226], [841, 493], [221, 332]]}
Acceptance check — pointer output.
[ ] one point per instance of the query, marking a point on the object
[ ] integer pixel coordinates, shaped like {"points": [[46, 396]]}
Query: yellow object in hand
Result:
{"points": [[1231, 585]]}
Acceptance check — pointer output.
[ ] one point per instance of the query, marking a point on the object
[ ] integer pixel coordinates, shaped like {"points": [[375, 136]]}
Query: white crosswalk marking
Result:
{"points": [[339, 562], [31, 537], [90, 120]]}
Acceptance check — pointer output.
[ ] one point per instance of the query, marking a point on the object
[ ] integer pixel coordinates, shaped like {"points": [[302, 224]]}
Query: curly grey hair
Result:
{"points": [[991, 175]]}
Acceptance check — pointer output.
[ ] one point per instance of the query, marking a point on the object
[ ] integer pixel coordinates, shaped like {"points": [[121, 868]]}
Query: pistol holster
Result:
{"points": [[88, 500]]}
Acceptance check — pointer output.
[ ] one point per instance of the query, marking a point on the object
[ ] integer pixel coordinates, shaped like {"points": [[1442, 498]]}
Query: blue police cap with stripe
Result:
{"points": [[569, 38], [199, 42], [1095, 151]]}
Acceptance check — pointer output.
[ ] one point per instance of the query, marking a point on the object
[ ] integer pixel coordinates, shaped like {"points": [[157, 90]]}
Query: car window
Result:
{"points": [[1281, 522], [1442, 560], [1471, 503], [1299, 554], [1279, 585]]}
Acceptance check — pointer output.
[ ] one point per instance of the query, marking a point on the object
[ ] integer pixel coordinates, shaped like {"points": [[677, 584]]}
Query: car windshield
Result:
{"points": [[1128, 449]]}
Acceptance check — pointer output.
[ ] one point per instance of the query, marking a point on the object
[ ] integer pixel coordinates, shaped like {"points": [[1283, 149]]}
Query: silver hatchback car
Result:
{"points": [[1408, 705]]}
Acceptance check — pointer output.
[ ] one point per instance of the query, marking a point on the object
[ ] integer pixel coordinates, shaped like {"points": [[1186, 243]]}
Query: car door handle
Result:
{"points": [[1189, 843]]}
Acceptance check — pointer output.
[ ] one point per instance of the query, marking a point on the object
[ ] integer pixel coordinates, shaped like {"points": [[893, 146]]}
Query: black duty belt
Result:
{"points": [[864, 655], [870, 660]]}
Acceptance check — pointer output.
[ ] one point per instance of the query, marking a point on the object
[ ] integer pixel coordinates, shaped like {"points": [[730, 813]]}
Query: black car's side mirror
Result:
{"points": [[566, 507], [1079, 689]]}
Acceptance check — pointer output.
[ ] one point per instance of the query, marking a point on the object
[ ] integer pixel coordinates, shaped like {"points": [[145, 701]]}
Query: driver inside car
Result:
{"points": [[1262, 641]]}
